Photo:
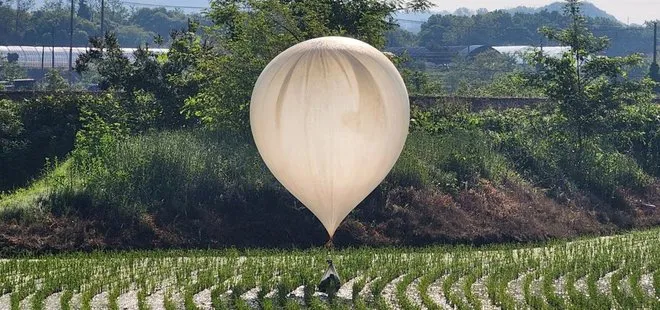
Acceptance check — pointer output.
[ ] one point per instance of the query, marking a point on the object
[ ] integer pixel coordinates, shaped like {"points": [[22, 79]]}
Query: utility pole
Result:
{"points": [[655, 42], [71, 47], [52, 50], [654, 71], [102, 19], [18, 14]]}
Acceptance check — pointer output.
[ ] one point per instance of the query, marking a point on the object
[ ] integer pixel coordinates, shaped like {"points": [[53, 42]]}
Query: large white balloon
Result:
{"points": [[330, 117]]}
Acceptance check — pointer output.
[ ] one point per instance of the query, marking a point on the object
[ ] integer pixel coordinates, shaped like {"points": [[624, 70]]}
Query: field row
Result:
{"points": [[611, 272]]}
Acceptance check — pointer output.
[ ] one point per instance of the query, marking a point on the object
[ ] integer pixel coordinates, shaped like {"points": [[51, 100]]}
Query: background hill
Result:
{"points": [[413, 21], [588, 9]]}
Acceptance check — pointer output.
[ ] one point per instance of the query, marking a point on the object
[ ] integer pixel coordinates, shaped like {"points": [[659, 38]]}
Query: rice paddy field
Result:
{"points": [[616, 272]]}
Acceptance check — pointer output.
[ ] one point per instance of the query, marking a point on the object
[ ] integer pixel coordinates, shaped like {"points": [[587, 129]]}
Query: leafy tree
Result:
{"points": [[478, 70], [152, 88], [11, 128], [49, 23], [417, 80], [22, 6], [158, 20], [53, 80], [249, 33], [32, 131], [513, 84], [398, 37], [421, 83], [588, 87], [10, 70], [504, 28]]}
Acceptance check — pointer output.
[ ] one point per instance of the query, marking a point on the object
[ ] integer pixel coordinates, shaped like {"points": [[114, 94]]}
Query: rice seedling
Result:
{"points": [[594, 273]]}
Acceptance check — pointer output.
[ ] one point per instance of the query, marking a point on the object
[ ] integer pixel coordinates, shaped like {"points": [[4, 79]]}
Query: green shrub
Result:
{"points": [[536, 145], [603, 171], [174, 171], [37, 129], [448, 160], [635, 130], [11, 128]]}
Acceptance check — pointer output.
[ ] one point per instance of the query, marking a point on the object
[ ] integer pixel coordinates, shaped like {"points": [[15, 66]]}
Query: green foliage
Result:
{"points": [[102, 126], [449, 160], [635, 130], [501, 28], [398, 37], [180, 171], [421, 83], [36, 130], [513, 84], [249, 33], [10, 70], [478, 70], [533, 143], [49, 23], [599, 138], [487, 74], [152, 88], [53, 80], [587, 87], [11, 127], [159, 21], [166, 171]]}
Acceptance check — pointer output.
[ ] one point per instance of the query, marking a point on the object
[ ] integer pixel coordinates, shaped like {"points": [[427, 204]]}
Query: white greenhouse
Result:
{"points": [[46, 57]]}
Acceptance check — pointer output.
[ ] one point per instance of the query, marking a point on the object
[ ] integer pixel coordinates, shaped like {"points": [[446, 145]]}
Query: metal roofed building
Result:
{"points": [[518, 51], [442, 55], [46, 57]]}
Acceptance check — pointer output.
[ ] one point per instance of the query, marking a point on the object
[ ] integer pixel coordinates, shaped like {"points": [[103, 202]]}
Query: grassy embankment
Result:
{"points": [[463, 177]]}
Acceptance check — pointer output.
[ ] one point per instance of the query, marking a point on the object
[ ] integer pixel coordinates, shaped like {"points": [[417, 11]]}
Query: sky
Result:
{"points": [[627, 11], [635, 11]]}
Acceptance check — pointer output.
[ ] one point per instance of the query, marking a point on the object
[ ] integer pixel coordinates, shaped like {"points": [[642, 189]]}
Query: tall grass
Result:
{"points": [[194, 173], [178, 171], [175, 171]]}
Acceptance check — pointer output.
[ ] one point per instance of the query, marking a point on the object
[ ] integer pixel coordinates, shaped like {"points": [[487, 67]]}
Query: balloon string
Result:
{"points": [[330, 245]]}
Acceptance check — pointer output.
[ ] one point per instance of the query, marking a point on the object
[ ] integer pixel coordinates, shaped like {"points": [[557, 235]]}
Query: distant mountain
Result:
{"points": [[413, 21], [408, 21], [588, 9]]}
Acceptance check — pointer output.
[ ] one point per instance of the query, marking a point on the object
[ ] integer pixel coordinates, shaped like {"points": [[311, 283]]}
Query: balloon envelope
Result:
{"points": [[330, 117]]}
